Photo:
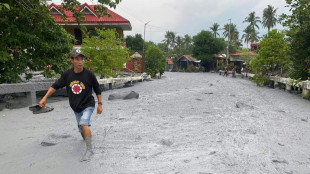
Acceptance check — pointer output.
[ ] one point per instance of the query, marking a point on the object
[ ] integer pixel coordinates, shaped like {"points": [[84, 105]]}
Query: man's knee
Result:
{"points": [[84, 126]]}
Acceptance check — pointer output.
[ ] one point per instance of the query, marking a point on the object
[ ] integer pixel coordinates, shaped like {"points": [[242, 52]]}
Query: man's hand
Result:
{"points": [[99, 109], [50, 91], [42, 103]]}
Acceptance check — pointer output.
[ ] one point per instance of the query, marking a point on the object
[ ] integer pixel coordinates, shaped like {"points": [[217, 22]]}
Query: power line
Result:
{"points": [[130, 14]]}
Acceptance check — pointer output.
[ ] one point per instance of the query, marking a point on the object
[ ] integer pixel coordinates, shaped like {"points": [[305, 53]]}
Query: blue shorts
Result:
{"points": [[83, 117]]}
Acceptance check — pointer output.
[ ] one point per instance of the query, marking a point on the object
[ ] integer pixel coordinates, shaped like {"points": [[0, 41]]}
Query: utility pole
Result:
{"points": [[143, 54], [227, 55], [144, 34]]}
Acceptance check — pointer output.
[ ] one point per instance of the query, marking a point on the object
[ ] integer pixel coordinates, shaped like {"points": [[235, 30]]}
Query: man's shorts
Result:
{"points": [[83, 117]]}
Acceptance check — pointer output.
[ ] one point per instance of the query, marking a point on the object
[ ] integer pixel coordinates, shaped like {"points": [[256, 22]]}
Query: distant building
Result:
{"points": [[186, 60], [220, 61], [135, 64], [169, 65], [254, 46], [237, 59]]}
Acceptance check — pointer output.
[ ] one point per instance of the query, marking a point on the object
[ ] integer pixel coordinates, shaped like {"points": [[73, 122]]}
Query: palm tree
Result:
{"points": [[179, 42], [187, 41], [215, 28], [254, 36], [169, 39], [247, 34], [253, 20], [234, 33], [269, 17], [253, 23], [173, 37]]}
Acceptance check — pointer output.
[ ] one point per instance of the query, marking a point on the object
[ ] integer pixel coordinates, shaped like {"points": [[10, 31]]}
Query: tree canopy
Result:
{"points": [[29, 37], [106, 52], [155, 61], [299, 37], [206, 45], [135, 43], [273, 55]]}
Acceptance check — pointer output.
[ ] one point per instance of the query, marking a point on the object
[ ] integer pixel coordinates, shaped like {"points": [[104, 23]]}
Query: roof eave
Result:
{"points": [[124, 26]]}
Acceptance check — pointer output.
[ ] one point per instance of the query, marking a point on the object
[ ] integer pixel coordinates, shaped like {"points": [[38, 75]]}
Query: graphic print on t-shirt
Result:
{"points": [[77, 87]]}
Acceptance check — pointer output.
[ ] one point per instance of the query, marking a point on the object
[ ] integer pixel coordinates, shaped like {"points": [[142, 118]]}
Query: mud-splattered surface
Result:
{"points": [[184, 123]]}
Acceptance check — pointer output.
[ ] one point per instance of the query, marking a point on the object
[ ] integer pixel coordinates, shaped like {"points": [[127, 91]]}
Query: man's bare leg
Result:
{"points": [[86, 133]]}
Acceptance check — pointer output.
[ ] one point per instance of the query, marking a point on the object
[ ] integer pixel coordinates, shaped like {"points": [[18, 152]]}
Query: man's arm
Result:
{"points": [[50, 91], [99, 108]]}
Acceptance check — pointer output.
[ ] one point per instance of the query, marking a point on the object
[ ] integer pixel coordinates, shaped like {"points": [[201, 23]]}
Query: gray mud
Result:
{"points": [[181, 124]]}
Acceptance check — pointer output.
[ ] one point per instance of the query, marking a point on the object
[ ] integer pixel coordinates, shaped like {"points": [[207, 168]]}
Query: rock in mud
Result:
{"points": [[166, 142], [243, 105], [124, 96]]}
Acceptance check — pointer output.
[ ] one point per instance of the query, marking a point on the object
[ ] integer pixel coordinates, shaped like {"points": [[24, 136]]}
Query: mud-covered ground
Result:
{"points": [[184, 123]]}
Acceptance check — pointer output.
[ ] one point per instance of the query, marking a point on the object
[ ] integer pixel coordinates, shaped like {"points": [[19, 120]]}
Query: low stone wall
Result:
{"points": [[30, 88], [287, 83]]}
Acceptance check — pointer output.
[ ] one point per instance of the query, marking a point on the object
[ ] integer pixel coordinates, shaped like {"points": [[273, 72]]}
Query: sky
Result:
{"points": [[188, 16]]}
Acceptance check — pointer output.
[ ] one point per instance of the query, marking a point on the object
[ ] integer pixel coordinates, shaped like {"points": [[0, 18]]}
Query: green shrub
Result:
{"points": [[307, 96], [191, 68], [261, 80]]}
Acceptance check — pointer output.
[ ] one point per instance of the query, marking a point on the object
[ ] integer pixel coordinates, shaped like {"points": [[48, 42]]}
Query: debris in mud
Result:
{"points": [[209, 93], [156, 154], [166, 142], [243, 105], [279, 161], [53, 139], [210, 84], [281, 111], [187, 161], [305, 120], [47, 144], [281, 144], [212, 153], [250, 131], [140, 157], [138, 138], [198, 99]]}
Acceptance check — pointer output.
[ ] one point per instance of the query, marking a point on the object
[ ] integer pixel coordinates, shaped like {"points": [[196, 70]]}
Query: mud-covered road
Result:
{"points": [[184, 123]]}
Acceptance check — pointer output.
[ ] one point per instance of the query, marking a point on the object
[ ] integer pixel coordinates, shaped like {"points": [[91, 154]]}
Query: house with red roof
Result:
{"points": [[237, 59], [91, 21]]}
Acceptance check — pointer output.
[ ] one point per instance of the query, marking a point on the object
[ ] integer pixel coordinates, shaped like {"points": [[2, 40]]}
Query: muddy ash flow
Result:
{"points": [[184, 123]]}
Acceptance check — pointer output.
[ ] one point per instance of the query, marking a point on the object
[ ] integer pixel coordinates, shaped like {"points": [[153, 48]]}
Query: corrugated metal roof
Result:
{"points": [[251, 53], [190, 58]]}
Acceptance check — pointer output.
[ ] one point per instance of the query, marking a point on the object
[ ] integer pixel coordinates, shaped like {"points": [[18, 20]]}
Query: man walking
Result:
{"points": [[79, 83]]}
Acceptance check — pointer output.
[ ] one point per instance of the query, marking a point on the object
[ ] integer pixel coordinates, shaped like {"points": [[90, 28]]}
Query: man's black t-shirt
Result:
{"points": [[79, 88]]}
